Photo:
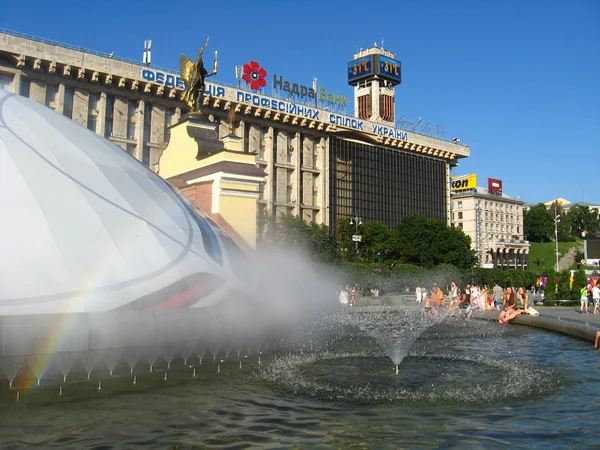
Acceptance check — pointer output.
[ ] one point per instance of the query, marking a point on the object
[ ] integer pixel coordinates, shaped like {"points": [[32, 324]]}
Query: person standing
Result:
{"points": [[596, 297], [419, 293], [584, 299], [497, 293]]}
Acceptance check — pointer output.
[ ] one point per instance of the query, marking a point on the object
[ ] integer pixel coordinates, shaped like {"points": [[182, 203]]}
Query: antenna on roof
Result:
{"points": [[147, 52]]}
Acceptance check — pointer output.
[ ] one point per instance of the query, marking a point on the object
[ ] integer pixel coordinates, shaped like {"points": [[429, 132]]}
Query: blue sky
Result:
{"points": [[517, 80]]}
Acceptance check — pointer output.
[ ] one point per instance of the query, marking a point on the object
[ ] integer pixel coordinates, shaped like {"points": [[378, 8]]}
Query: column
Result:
{"points": [[269, 179], [139, 130], [80, 107], [323, 151], [16, 83], [120, 118], [60, 98], [37, 91], [157, 125], [297, 162], [101, 122]]}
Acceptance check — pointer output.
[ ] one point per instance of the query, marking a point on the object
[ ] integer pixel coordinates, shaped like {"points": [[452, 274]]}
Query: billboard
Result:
{"points": [[592, 249], [464, 182], [494, 186]]}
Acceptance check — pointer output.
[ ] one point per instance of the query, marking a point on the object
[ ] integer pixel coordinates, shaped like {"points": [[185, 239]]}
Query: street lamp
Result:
{"points": [[356, 237], [556, 222]]}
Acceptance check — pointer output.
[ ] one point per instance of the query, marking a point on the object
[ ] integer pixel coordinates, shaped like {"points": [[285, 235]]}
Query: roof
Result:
{"points": [[560, 201]]}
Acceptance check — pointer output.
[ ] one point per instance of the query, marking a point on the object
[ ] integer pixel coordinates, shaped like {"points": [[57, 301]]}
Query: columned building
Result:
{"points": [[494, 221], [320, 164]]}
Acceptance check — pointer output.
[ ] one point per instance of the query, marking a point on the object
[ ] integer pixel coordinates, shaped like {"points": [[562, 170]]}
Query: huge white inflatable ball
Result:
{"points": [[85, 227]]}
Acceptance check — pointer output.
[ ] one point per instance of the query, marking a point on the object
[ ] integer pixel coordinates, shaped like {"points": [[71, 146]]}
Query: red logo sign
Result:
{"points": [[495, 186], [254, 75]]}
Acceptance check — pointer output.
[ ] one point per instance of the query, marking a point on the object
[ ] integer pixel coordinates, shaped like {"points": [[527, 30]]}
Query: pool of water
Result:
{"points": [[463, 384]]}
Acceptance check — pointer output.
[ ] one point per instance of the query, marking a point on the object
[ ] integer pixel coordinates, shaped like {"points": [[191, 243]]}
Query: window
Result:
{"points": [[148, 123], [460, 203], [315, 189], [68, 103], [132, 108], [131, 149], [290, 149], [169, 114], [289, 198], [460, 225], [6, 81], [460, 215], [110, 108], [51, 91], [25, 85], [92, 111], [262, 144], [486, 215], [146, 155]]}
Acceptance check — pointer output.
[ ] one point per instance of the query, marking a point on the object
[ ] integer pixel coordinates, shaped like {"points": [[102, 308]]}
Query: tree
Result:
{"points": [[376, 241], [430, 242], [584, 222], [579, 281], [538, 224], [564, 223], [550, 290], [564, 288]]}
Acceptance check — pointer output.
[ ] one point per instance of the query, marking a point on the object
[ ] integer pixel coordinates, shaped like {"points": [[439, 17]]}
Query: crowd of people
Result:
{"points": [[509, 301], [588, 293]]}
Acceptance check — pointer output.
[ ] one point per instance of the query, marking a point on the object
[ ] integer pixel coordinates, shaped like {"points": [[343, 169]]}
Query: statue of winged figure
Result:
{"points": [[193, 76]]}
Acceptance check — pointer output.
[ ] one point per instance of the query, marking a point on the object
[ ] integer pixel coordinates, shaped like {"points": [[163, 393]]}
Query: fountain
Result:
{"points": [[145, 285]]}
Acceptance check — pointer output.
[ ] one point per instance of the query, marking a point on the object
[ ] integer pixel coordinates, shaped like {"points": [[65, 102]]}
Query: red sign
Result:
{"points": [[494, 186]]}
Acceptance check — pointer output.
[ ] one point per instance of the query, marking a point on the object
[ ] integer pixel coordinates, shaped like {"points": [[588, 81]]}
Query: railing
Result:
{"points": [[81, 49], [164, 69]]}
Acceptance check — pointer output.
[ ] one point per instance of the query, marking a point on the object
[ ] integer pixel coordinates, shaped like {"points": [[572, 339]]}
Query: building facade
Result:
{"points": [[320, 164], [494, 221]]}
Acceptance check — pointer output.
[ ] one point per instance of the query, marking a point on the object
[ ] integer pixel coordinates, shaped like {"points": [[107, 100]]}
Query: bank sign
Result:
{"points": [[277, 105]]}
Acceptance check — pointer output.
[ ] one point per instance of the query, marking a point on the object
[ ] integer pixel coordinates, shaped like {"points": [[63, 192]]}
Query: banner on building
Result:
{"points": [[494, 186], [464, 182]]}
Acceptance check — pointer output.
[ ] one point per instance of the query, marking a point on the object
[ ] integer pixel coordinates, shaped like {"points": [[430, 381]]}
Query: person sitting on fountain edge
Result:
{"points": [[509, 310], [435, 299]]}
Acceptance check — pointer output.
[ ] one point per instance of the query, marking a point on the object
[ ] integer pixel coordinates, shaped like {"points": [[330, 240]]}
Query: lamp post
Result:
{"points": [[356, 237], [556, 222]]}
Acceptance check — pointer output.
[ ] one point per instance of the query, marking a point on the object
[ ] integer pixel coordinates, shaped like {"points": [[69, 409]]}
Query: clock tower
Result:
{"points": [[374, 73]]}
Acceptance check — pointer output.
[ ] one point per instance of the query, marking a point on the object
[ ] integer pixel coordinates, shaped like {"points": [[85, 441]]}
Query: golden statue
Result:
{"points": [[193, 76]]}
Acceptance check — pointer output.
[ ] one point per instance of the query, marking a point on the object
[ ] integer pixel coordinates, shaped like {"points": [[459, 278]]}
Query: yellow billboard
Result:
{"points": [[464, 182]]}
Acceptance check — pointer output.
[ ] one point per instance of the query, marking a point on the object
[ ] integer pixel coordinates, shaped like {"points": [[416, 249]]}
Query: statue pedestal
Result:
{"points": [[216, 175]]}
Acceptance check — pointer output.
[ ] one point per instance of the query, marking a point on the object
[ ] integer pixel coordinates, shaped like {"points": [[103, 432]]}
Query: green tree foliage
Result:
{"points": [[314, 239], [579, 281], [550, 291], [430, 242], [564, 289], [377, 242], [584, 222], [538, 224], [564, 223]]}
